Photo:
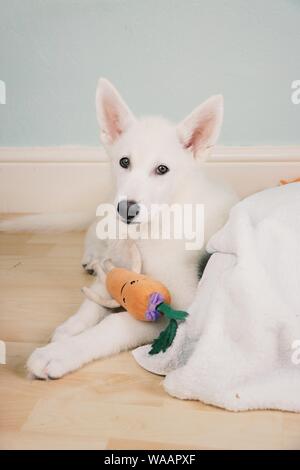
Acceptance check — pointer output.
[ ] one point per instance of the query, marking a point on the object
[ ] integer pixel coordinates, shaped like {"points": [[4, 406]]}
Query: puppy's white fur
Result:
{"points": [[93, 332]]}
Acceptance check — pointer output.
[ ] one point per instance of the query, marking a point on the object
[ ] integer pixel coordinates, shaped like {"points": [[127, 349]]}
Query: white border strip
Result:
{"points": [[268, 153], [62, 154], [86, 154]]}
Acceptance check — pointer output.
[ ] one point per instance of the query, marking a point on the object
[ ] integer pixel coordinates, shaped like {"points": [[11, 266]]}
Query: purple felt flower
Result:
{"points": [[155, 299]]}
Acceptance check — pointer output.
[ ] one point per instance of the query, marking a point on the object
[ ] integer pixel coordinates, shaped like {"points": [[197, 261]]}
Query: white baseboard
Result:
{"points": [[262, 153], [51, 179], [62, 154]]}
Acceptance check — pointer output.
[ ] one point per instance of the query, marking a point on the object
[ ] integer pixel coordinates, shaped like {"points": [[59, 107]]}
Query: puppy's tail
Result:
{"points": [[49, 222]]}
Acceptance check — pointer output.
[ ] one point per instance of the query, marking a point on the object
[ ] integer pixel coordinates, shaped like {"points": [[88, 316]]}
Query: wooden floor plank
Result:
{"points": [[111, 403]]}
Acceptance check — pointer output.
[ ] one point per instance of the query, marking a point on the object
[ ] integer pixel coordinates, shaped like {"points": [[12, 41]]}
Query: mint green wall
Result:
{"points": [[165, 56]]}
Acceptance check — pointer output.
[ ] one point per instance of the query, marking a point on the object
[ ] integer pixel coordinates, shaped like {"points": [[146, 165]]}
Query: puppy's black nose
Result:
{"points": [[128, 210]]}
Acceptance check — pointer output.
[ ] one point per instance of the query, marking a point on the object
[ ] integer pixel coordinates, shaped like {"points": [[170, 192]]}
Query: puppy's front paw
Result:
{"points": [[93, 252], [48, 362], [87, 263]]}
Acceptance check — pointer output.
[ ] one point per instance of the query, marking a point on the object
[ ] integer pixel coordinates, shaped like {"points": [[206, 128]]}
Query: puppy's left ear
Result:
{"points": [[200, 130], [113, 114]]}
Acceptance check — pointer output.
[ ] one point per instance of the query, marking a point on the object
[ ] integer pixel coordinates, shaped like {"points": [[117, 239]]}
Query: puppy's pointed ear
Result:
{"points": [[113, 114], [201, 129]]}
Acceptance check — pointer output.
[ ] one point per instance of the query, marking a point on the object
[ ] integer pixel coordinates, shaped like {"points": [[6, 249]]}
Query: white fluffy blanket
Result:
{"points": [[240, 346]]}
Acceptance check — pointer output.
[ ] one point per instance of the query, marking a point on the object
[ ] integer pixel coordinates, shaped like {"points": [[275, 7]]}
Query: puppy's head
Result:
{"points": [[152, 157]]}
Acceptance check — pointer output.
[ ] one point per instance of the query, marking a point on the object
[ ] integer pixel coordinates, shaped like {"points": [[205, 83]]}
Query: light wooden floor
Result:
{"points": [[112, 403]]}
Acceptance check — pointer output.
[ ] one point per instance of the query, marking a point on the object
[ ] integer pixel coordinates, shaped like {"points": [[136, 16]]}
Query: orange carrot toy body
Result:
{"points": [[134, 292]]}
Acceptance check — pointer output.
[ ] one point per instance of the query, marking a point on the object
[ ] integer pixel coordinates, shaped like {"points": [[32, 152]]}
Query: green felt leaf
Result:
{"points": [[165, 339], [170, 312]]}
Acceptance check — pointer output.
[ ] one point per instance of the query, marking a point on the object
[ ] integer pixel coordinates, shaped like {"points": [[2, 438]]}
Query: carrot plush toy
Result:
{"points": [[143, 297]]}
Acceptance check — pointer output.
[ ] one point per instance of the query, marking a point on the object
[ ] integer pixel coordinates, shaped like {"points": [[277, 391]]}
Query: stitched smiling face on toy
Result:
{"points": [[135, 291]]}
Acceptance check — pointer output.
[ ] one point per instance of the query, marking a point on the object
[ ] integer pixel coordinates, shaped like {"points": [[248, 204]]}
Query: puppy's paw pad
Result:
{"points": [[88, 267], [89, 258]]}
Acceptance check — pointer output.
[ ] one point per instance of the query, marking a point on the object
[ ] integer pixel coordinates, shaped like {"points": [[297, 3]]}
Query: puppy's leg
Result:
{"points": [[117, 332], [88, 315]]}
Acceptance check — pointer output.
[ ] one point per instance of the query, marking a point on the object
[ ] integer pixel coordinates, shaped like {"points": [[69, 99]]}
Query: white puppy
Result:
{"points": [[153, 162]]}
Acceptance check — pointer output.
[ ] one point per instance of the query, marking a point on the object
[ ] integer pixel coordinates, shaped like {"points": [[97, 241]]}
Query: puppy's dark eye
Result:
{"points": [[124, 162], [161, 170]]}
